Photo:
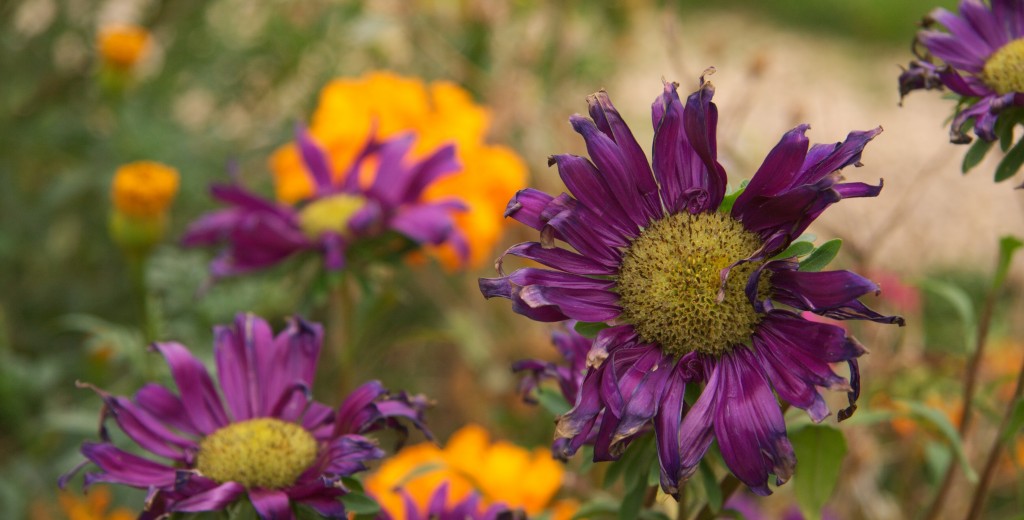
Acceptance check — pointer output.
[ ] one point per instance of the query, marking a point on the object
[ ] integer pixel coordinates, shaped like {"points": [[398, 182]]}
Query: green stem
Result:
{"points": [[981, 492], [681, 512], [339, 330], [137, 269], [728, 485]]}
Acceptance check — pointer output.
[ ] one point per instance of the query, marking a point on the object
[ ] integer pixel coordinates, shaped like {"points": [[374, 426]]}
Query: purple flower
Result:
{"points": [[271, 442], [981, 59], [438, 508], [342, 212], [691, 293]]}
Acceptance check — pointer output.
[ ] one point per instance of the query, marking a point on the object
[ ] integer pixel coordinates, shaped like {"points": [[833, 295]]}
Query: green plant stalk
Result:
{"points": [[728, 485], [970, 384], [137, 263], [339, 331], [981, 492]]}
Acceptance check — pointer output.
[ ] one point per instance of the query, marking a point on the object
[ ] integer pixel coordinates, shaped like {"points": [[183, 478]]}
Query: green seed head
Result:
{"points": [[1004, 70], [258, 453], [670, 279]]}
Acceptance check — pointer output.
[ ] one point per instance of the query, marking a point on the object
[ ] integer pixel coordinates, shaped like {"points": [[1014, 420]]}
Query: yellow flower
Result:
{"points": [[144, 188], [92, 506], [438, 113], [122, 46], [499, 471]]}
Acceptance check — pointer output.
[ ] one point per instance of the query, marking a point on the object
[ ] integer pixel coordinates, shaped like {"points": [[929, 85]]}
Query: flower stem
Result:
{"points": [[981, 492], [339, 330], [970, 384]]}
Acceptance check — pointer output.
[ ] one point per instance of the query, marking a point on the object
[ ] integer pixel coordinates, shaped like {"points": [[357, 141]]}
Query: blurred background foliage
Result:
{"points": [[223, 86]]}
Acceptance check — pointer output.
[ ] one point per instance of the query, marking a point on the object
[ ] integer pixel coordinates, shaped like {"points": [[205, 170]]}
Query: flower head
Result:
{"points": [[142, 192], [341, 213], [981, 59], [270, 441], [122, 46], [144, 188], [689, 288], [500, 472], [439, 113], [92, 506], [441, 507]]}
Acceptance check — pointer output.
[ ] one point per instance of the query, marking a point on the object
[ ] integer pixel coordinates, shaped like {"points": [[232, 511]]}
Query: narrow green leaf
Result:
{"points": [[552, 400], [730, 198], [711, 488], [1005, 124], [975, 154], [360, 504], [795, 249], [1011, 162], [1016, 422], [937, 457], [352, 483], [633, 501], [820, 450], [962, 304], [941, 422], [588, 329], [1008, 245], [598, 508], [822, 255]]}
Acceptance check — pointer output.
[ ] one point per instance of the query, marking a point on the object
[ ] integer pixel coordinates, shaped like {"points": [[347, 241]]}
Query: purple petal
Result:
{"points": [[212, 228], [425, 223], [160, 402], [696, 430], [121, 467], [271, 504], [587, 185], [317, 164], [297, 350], [700, 122], [749, 425], [389, 184], [213, 499], [579, 304], [197, 391], [610, 122], [527, 206], [778, 170], [440, 163], [533, 276], [612, 167], [557, 258]]}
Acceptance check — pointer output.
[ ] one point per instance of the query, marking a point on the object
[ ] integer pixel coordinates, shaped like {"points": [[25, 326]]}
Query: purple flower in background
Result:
{"points": [[981, 59], [259, 233], [271, 442], [690, 288], [438, 508]]}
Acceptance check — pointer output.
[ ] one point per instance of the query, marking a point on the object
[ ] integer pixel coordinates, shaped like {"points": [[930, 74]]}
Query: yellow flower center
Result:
{"points": [[1004, 70], [329, 214], [144, 188], [258, 453], [670, 279]]}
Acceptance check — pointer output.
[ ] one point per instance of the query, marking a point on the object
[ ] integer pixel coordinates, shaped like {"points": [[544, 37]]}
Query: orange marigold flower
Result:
{"points": [[92, 506], [499, 471], [144, 188], [122, 46], [440, 112]]}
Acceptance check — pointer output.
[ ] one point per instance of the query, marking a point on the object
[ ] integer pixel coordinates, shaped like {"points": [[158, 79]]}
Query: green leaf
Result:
{"points": [[589, 329], [822, 255], [633, 464], [1008, 245], [961, 303], [352, 483], [937, 457], [820, 450], [975, 154], [1011, 162], [552, 400], [795, 249], [941, 422], [730, 198], [596, 509], [633, 502], [711, 487], [360, 504], [1016, 422]]}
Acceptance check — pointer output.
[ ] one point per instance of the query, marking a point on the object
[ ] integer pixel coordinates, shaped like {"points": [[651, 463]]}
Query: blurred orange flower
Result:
{"points": [[144, 188], [499, 472], [440, 112], [92, 506], [908, 426], [122, 46]]}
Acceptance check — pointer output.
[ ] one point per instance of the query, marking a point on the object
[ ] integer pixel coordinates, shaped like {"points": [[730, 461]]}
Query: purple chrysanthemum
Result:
{"points": [[259, 233], [439, 508], [982, 60], [690, 292], [271, 442]]}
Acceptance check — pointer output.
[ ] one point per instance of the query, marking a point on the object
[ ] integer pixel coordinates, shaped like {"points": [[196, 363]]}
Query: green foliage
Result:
{"points": [[961, 302], [1011, 162], [975, 154], [820, 450], [730, 198], [821, 256], [360, 503], [588, 329]]}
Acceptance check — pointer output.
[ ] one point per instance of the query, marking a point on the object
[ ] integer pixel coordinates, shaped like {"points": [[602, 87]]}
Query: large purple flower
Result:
{"points": [[259, 233], [690, 288], [271, 442], [982, 60]]}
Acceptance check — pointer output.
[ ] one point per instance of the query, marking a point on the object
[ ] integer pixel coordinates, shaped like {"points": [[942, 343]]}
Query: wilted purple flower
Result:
{"points": [[982, 60], [438, 508], [691, 293], [271, 442], [259, 233]]}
